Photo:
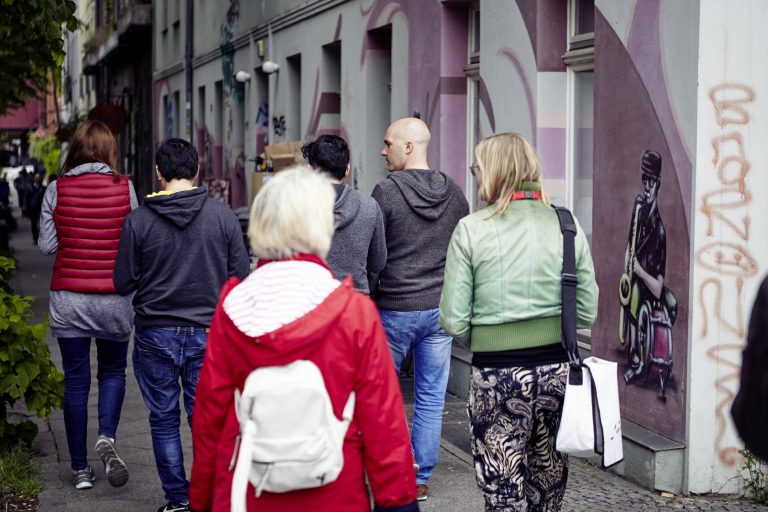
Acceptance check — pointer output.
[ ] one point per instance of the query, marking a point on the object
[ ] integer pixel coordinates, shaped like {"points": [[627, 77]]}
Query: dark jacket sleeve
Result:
{"points": [[750, 414], [126, 273], [238, 263], [380, 415], [377, 251]]}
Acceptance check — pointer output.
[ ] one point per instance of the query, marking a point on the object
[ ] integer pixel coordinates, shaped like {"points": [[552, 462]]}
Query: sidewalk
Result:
{"points": [[452, 487]]}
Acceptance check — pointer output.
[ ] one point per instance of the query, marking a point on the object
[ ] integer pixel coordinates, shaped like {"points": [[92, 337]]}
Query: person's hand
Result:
{"points": [[639, 270]]}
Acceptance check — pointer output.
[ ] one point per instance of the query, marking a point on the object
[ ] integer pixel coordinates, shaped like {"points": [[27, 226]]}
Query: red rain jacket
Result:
{"points": [[344, 338]]}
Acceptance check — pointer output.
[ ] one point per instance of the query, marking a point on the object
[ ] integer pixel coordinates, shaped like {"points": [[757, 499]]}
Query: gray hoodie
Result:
{"points": [[358, 248], [421, 208]]}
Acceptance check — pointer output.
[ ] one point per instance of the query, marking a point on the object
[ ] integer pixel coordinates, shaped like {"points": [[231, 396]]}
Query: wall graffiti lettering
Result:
{"points": [[728, 263], [262, 115], [279, 124]]}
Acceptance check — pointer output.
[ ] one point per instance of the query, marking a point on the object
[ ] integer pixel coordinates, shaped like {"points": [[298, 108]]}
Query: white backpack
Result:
{"points": [[290, 438]]}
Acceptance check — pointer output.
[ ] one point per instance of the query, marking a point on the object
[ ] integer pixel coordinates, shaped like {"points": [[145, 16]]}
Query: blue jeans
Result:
{"points": [[162, 355], [431, 345], [76, 362]]}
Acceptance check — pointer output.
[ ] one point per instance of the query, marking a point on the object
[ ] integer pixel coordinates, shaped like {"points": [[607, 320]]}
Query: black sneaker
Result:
{"points": [[117, 472], [175, 507]]}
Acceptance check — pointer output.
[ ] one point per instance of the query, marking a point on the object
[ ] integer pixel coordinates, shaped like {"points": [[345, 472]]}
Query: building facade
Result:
{"points": [[112, 80], [643, 112]]}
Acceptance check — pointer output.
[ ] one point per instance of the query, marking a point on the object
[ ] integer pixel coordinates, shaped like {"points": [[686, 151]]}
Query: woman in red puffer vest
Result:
{"points": [[81, 220]]}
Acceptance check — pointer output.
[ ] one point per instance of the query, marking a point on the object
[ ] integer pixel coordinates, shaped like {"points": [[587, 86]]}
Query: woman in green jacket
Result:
{"points": [[501, 298]]}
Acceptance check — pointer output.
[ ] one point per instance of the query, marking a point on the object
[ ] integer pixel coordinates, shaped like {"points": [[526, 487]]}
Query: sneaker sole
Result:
{"points": [[117, 474], [84, 485]]}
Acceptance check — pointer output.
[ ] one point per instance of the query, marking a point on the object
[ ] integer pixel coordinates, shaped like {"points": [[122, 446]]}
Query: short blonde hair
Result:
{"points": [[292, 214], [506, 160]]}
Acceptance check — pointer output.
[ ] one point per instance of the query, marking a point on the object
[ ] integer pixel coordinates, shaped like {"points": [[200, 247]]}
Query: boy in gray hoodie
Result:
{"points": [[358, 247]]}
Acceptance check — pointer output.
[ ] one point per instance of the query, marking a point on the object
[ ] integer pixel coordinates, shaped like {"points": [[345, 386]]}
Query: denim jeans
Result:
{"points": [[431, 345], [161, 357], [76, 362]]}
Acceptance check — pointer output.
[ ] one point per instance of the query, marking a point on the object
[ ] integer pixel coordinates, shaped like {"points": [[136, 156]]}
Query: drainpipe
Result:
{"points": [[188, 66], [272, 78]]}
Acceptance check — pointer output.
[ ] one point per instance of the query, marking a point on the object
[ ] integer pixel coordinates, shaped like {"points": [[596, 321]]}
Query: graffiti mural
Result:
{"points": [[279, 124], [648, 308]]}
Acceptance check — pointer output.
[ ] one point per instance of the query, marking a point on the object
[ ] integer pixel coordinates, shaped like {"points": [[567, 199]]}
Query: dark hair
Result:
{"points": [[92, 142], [176, 159], [329, 153]]}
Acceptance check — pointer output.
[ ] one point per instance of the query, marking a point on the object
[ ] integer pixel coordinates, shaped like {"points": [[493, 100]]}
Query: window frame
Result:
{"points": [[472, 72], [579, 58]]}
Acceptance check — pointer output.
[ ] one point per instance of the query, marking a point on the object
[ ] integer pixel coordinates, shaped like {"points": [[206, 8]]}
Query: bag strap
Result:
{"points": [[569, 281]]}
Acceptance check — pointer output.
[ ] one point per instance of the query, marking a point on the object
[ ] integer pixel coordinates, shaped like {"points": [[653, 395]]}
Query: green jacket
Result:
{"points": [[502, 279]]}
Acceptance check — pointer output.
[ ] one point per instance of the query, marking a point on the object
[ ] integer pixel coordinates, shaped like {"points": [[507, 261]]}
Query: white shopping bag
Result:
{"points": [[591, 421]]}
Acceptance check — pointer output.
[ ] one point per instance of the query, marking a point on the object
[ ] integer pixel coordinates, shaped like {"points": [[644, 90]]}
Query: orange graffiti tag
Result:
{"points": [[727, 260], [731, 111], [715, 209]]}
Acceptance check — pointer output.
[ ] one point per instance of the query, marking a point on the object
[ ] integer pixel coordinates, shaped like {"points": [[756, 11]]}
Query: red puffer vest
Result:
{"points": [[89, 215]]}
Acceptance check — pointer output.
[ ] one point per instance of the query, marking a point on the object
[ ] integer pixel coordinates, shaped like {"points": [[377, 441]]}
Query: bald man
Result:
{"points": [[421, 207]]}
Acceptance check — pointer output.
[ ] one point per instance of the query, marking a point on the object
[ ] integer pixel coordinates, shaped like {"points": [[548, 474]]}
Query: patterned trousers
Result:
{"points": [[514, 415]]}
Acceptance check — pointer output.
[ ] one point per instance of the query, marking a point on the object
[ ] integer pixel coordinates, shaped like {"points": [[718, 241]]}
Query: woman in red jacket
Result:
{"points": [[292, 308], [80, 221]]}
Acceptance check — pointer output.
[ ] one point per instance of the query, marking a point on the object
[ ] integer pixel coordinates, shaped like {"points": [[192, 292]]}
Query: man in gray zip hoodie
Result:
{"points": [[358, 248], [421, 208]]}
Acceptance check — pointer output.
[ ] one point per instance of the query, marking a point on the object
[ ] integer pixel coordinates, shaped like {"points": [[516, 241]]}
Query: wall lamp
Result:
{"points": [[270, 67], [242, 76]]}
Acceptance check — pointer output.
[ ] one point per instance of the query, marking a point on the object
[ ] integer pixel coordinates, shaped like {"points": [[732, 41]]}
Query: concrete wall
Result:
{"points": [[729, 253]]}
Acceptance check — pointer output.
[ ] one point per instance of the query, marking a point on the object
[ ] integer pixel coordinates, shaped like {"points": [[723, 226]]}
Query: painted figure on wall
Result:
{"points": [[648, 307]]}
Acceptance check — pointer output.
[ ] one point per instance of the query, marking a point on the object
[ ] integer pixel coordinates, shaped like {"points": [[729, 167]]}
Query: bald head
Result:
{"points": [[405, 144]]}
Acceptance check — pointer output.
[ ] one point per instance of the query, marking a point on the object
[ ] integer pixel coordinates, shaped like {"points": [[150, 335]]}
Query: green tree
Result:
{"points": [[31, 46], [48, 151]]}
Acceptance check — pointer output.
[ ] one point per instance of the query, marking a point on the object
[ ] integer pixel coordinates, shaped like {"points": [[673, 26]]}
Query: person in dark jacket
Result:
{"points": [[421, 207], [34, 202], [81, 219], [175, 253], [358, 248], [749, 411]]}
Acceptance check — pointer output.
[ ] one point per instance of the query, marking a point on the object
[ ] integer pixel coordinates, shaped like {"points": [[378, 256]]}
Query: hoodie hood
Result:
{"points": [[427, 192], [180, 208], [89, 168], [346, 208], [287, 307]]}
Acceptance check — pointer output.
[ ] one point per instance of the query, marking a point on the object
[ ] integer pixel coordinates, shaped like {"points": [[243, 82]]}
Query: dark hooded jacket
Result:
{"points": [[358, 248], [175, 252], [421, 209], [749, 411]]}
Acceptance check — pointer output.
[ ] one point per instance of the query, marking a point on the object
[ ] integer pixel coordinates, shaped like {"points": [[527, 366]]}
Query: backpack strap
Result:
{"points": [[569, 282]]}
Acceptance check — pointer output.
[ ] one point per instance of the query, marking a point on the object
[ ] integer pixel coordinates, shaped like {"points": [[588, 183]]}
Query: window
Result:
{"points": [[580, 63], [580, 59], [176, 115], [290, 127], [472, 71]]}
